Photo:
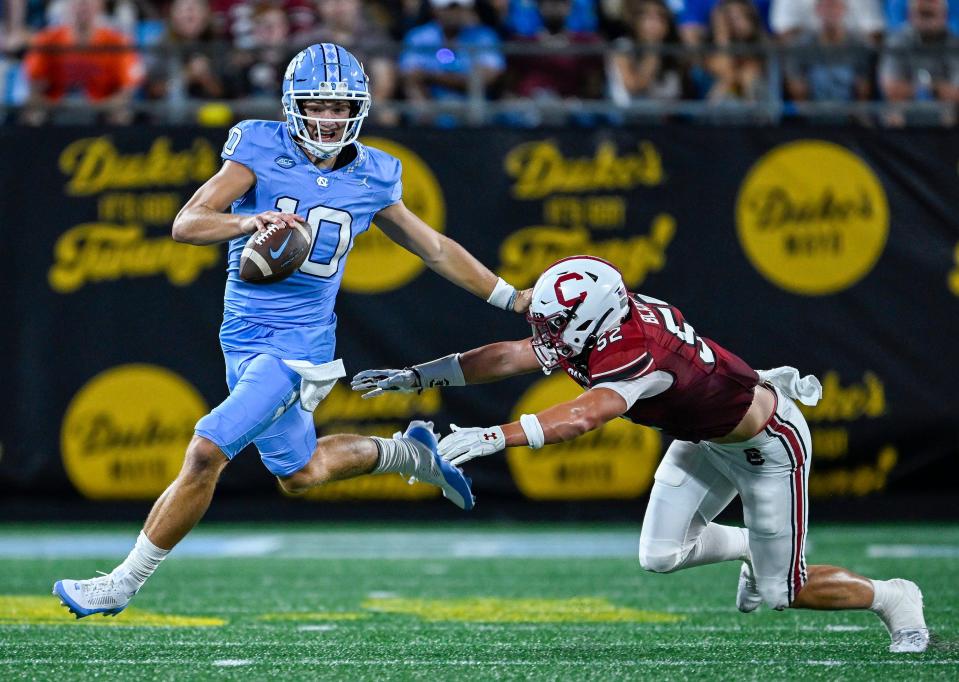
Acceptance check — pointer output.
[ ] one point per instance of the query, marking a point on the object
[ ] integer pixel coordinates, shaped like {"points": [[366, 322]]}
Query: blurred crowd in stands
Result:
{"points": [[119, 56]]}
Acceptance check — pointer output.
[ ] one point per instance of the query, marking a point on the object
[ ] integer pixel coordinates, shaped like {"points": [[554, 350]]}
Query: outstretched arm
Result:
{"points": [[497, 361], [480, 365], [447, 258], [556, 424]]}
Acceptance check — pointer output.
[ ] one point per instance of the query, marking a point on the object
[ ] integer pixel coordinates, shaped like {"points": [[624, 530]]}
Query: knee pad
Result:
{"points": [[774, 592], [658, 556]]}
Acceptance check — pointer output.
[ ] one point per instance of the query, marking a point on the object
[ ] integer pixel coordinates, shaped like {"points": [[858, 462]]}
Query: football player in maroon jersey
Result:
{"points": [[737, 432]]}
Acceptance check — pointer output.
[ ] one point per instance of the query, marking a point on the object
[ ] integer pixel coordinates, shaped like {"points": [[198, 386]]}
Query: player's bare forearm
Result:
{"points": [[440, 253], [497, 361], [202, 225], [573, 418], [202, 219]]}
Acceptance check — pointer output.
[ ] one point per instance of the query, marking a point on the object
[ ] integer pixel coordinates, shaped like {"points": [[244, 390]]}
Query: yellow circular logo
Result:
{"points": [[812, 217], [378, 264], [125, 431], [615, 461]]}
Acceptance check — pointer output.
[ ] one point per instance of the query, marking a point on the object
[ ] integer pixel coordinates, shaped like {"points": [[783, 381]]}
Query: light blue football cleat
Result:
{"points": [[96, 595], [437, 471]]}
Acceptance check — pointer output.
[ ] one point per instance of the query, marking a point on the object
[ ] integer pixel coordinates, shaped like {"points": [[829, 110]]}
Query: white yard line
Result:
{"points": [[912, 551], [672, 662]]}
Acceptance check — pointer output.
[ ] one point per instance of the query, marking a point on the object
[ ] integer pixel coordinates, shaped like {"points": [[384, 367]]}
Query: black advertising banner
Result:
{"points": [[835, 252]]}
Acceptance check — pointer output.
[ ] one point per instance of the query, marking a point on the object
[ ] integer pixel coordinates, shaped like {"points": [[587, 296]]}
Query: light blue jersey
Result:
{"points": [[264, 324], [293, 319]]}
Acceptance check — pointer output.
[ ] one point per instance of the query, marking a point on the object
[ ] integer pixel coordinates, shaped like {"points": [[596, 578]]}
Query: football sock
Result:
{"points": [[140, 563], [719, 543], [883, 593], [399, 455]]}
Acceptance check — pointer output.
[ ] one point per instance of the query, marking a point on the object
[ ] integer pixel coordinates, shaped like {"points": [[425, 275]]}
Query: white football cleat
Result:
{"points": [[901, 613], [97, 595], [747, 594]]}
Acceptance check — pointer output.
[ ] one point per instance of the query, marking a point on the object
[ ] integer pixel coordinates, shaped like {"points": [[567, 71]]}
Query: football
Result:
{"points": [[275, 253]]}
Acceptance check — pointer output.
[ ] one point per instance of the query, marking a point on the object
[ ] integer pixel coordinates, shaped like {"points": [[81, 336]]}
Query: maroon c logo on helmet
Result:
{"points": [[558, 288]]}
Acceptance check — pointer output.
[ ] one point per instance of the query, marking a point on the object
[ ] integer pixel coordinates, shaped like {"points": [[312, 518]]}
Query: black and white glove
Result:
{"points": [[445, 371], [462, 445], [378, 381]]}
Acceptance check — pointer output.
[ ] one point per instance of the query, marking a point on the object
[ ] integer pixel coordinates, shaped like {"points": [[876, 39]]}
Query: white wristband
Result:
{"points": [[503, 295], [444, 371], [533, 430]]}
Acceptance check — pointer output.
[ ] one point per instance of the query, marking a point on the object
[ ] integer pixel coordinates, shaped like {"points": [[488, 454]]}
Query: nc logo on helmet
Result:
{"points": [[558, 288]]}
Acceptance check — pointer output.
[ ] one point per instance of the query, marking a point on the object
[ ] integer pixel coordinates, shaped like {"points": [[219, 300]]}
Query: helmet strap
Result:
{"points": [[591, 338]]}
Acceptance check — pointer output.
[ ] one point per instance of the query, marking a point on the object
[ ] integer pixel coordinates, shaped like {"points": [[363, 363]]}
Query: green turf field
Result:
{"points": [[356, 602]]}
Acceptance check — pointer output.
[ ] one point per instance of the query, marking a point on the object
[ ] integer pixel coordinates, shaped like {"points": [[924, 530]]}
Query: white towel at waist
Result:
{"points": [[806, 390], [316, 380]]}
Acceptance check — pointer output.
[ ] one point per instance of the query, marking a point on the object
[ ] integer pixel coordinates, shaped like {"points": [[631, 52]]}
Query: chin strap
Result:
{"points": [[591, 339]]}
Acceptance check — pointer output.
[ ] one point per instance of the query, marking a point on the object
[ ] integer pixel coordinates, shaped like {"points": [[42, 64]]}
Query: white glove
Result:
{"points": [[378, 381], [462, 445]]}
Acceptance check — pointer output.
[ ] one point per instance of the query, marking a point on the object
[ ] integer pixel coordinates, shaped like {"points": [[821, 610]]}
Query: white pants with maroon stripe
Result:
{"points": [[696, 481]]}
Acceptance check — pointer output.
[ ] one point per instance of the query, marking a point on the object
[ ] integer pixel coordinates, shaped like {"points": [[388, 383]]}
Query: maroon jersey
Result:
{"points": [[711, 388]]}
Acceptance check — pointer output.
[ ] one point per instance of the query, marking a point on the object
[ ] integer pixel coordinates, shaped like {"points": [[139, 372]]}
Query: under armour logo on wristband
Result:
{"points": [[489, 436]]}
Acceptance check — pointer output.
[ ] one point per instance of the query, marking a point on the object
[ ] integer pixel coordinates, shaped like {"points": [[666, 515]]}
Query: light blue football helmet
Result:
{"points": [[325, 71]]}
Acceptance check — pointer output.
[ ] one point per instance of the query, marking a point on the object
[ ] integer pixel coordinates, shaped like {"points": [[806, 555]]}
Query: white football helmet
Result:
{"points": [[575, 302]]}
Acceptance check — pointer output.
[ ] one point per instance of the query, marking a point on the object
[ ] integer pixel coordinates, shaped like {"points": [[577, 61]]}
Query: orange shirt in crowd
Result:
{"points": [[98, 75]]}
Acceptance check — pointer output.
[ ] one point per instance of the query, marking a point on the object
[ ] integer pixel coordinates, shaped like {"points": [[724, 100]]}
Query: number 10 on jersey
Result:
{"points": [[332, 230]]}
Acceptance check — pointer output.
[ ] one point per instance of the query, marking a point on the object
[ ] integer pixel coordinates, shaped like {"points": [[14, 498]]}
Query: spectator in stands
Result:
{"points": [[524, 18], [897, 15], [16, 33], [107, 78], [637, 69], [258, 72], [234, 19], [841, 76], [441, 58], [347, 23], [407, 15], [927, 75], [791, 18], [194, 66], [740, 76], [693, 17], [555, 75]]}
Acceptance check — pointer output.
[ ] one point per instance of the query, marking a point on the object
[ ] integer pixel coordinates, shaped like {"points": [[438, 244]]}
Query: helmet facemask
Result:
{"points": [[296, 120], [548, 344], [556, 344]]}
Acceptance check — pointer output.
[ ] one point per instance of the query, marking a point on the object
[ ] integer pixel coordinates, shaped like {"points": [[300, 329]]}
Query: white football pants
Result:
{"points": [[696, 481]]}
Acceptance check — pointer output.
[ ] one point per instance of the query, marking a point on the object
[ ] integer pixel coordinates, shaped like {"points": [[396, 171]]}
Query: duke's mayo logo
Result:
{"points": [[615, 461], [94, 165], [585, 202], [378, 264], [125, 431], [812, 217], [540, 169]]}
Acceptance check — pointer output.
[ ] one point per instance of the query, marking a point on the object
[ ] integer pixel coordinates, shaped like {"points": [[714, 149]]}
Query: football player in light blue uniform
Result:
{"points": [[278, 339]]}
